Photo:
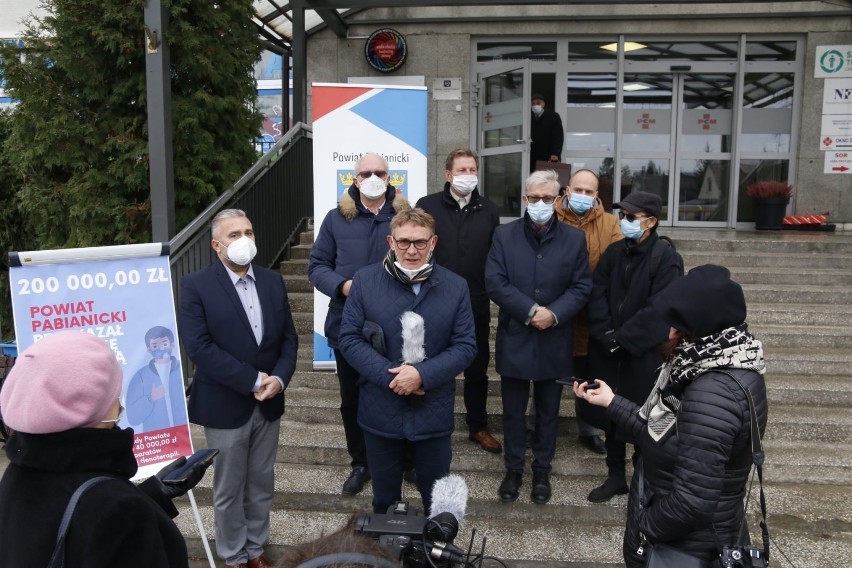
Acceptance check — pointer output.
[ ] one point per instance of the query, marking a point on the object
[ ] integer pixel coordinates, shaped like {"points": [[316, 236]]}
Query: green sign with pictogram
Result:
{"points": [[833, 61]]}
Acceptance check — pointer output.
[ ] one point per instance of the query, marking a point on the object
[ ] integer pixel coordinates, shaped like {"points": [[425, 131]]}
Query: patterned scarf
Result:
{"points": [[733, 347], [420, 276]]}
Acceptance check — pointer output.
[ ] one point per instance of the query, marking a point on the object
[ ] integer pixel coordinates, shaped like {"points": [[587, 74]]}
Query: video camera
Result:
{"points": [[742, 557], [420, 542]]}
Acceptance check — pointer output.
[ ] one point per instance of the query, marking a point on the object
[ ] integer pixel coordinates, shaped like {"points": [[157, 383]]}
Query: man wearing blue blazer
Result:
{"points": [[237, 328], [538, 273]]}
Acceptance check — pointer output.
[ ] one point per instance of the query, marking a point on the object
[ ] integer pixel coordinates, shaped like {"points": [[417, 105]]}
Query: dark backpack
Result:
{"points": [[659, 248]]}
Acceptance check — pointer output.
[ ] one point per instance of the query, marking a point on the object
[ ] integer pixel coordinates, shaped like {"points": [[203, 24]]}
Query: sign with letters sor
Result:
{"points": [[838, 162]]}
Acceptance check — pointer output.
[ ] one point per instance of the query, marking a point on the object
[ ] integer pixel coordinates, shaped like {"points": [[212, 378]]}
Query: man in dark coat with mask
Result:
{"points": [[545, 132], [624, 329], [465, 223]]}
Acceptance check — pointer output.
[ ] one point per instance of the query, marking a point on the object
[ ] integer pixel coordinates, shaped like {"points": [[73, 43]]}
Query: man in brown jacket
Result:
{"points": [[582, 209]]}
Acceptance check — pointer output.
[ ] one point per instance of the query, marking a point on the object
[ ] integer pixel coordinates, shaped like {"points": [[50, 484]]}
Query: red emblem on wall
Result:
{"points": [[706, 122], [646, 121]]}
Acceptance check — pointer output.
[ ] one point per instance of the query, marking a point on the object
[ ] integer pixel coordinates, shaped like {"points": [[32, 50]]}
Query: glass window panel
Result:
{"points": [[770, 50], [501, 182], [646, 175], [590, 118], [767, 112], [707, 116], [752, 171], [516, 51], [683, 50], [704, 190], [647, 114], [502, 115], [586, 50]]}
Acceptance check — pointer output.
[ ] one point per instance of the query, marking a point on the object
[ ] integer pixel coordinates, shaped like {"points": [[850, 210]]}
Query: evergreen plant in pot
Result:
{"points": [[770, 203]]}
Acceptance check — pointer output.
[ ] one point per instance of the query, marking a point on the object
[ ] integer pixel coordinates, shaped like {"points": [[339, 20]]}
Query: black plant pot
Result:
{"points": [[769, 212]]}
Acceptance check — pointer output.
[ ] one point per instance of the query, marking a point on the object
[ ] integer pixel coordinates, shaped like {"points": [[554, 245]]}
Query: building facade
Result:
{"points": [[694, 102]]}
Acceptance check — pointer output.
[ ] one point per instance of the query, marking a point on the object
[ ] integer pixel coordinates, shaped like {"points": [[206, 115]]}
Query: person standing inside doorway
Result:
{"points": [[545, 132]]}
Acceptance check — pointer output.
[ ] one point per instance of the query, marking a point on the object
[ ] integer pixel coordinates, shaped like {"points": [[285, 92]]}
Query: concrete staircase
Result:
{"points": [[799, 291]]}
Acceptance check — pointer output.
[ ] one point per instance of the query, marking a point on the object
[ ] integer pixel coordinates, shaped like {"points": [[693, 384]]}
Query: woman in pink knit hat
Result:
{"points": [[61, 399]]}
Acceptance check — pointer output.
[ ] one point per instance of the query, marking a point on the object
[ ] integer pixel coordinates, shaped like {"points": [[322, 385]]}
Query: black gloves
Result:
{"points": [[611, 345]]}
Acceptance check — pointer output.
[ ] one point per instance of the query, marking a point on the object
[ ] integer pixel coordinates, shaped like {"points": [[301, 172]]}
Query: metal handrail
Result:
{"points": [[202, 221]]}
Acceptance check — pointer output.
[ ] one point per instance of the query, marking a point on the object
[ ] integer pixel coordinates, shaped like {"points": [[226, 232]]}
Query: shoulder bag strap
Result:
{"points": [[758, 458], [57, 560]]}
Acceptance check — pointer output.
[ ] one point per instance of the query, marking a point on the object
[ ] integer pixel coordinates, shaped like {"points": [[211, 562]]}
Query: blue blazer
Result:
{"points": [[219, 340]]}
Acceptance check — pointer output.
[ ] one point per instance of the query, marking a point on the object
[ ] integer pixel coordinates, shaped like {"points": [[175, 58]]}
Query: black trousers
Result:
{"points": [[347, 377], [546, 396], [387, 457], [476, 378]]}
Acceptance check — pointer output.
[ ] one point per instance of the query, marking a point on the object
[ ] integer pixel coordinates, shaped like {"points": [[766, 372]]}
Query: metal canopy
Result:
{"points": [[274, 17]]}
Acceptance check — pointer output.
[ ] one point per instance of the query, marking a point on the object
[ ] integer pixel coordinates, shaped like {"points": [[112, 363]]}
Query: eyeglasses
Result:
{"points": [[631, 216], [549, 199], [121, 413], [405, 244], [367, 173]]}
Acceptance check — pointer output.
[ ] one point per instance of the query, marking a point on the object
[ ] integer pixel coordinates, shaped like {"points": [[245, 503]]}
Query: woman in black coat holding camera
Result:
{"points": [[694, 428]]}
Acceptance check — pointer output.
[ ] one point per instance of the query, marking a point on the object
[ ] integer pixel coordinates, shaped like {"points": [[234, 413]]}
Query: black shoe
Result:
{"points": [[409, 475], [508, 491], [614, 485], [355, 483], [593, 443], [541, 488]]}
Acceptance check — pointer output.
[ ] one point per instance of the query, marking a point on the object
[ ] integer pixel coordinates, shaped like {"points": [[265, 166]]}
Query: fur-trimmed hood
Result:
{"points": [[349, 206]]}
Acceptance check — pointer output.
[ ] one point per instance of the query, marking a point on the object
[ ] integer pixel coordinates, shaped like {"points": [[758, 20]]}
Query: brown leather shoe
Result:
{"points": [[260, 562], [486, 441]]}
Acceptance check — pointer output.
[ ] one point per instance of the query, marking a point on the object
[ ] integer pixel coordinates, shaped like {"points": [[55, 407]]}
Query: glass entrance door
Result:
{"points": [[503, 145], [676, 142]]}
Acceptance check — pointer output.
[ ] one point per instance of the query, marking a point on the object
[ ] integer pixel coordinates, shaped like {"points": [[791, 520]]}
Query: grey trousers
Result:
{"points": [[243, 486]]}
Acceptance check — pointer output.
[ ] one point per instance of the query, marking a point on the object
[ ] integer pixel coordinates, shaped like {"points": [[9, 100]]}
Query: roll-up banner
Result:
{"points": [[348, 121], [123, 295]]}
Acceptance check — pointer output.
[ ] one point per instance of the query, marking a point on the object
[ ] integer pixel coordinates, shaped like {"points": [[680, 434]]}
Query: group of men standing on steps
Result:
{"points": [[600, 321], [573, 298]]}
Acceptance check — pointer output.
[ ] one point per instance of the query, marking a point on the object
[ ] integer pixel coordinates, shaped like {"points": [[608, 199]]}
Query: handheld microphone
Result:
{"points": [[449, 502]]}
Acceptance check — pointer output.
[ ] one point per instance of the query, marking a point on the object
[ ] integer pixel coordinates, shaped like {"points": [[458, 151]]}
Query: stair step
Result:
{"points": [[307, 497], [780, 261]]}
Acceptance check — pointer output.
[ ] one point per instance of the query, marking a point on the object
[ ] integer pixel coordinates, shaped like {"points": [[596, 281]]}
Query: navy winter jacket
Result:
{"points": [[522, 272], [450, 347], [350, 237]]}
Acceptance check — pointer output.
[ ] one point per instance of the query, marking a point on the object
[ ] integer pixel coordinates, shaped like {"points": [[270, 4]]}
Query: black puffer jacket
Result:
{"points": [[696, 475]]}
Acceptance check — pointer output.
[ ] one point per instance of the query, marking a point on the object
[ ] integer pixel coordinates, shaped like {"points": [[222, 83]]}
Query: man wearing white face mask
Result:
{"points": [[538, 273], [465, 223], [236, 325], [581, 208], [408, 330], [351, 237], [624, 328], [545, 132]]}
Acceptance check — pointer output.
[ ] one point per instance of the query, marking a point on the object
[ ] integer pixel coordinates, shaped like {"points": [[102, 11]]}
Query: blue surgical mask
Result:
{"points": [[540, 212], [161, 353], [537, 109], [631, 230], [580, 203]]}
